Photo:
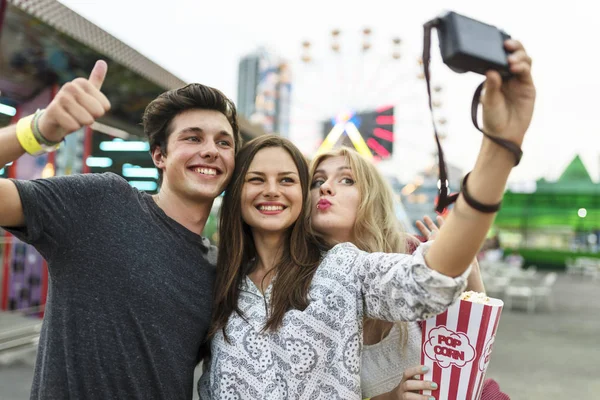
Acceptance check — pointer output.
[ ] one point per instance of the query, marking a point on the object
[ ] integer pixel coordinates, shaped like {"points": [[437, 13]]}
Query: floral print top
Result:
{"points": [[316, 353]]}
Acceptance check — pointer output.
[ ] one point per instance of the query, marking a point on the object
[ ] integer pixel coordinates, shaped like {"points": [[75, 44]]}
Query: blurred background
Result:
{"points": [[300, 69]]}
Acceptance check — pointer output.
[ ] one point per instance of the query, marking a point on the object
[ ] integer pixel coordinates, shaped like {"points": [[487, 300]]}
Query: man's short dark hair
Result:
{"points": [[160, 113]]}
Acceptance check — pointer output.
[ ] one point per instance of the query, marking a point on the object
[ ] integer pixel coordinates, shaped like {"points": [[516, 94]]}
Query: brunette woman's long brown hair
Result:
{"points": [[300, 254]]}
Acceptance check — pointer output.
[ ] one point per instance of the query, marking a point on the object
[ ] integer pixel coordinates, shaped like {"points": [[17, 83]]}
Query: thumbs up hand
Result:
{"points": [[78, 103]]}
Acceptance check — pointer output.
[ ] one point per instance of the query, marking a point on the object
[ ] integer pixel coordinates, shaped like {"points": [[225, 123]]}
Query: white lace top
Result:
{"points": [[316, 353], [382, 364]]}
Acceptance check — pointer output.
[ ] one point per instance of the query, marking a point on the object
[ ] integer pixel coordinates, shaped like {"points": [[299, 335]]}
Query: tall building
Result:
{"points": [[264, 91]]}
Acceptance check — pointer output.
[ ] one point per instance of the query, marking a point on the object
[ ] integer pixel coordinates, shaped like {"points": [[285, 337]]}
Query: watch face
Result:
{"points": [[371, 133]]}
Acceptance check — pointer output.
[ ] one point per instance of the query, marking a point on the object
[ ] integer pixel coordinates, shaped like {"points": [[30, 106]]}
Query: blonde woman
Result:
{"points": [[391, 351]]}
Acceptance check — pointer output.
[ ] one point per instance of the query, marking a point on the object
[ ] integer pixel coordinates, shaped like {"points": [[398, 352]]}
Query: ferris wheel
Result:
{"points": [[362, 91]]}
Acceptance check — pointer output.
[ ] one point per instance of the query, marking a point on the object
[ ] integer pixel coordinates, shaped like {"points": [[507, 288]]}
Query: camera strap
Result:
{"points": [[508, 145], [444, 200]]}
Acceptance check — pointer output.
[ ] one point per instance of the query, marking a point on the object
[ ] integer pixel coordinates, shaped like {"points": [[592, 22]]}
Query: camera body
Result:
{"points": [[469, 45]]}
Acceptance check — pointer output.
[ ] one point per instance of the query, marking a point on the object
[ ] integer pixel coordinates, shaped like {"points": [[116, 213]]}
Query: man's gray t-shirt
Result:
{"points": [[130, 293]]}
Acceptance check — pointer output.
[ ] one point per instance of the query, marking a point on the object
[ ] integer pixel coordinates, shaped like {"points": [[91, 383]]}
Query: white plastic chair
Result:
{"points": [[543, 293], [530, 292], [519, 293]]}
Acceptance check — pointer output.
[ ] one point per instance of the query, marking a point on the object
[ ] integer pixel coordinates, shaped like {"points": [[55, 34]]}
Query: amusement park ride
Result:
{"points": [[370, 94], [362, 98], [377, 138]]}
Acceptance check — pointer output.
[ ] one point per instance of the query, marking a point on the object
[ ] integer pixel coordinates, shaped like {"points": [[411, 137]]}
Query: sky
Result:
{"points": [[202, 41]]}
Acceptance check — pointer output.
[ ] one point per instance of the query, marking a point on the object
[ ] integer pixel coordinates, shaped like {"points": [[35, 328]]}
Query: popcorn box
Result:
{"points": [[457, 345]]}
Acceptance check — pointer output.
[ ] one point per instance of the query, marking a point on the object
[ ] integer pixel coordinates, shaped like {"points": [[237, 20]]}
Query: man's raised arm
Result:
{"points": [[78, 103]]}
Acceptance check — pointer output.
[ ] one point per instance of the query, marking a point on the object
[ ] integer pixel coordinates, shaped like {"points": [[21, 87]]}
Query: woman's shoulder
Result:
{"points": [[340, 257], [341, 253], [342, 247]]}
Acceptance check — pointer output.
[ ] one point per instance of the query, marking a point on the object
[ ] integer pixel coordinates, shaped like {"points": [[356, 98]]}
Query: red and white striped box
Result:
{"points": [[457, 345]]}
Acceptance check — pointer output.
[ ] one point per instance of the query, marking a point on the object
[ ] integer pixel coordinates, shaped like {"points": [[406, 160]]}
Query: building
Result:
{"points": [[264, 91]]}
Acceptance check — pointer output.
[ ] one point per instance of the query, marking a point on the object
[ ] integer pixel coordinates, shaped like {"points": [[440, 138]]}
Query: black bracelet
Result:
{"points": [[484, 208]]}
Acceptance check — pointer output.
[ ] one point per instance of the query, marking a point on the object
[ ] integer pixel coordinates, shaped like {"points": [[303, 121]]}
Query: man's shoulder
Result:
{"points": [[100, 183], [104, 177], [74, 186]]}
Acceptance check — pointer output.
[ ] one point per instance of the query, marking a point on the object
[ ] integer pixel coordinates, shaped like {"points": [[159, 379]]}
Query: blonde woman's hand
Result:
{"points": [[410, 385], [428, 228]]}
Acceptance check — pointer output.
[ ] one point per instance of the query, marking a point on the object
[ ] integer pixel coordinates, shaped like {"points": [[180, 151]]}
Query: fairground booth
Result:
{"points": [[44, 44], [554, 222]]}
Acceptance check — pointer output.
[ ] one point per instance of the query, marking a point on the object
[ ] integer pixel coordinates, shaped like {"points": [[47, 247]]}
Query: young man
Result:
{"points": [[131, 276]]}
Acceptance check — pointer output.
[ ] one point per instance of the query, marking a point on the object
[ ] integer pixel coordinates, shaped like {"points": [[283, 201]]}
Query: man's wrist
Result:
{"points": [[28, 140], [35, 128]]}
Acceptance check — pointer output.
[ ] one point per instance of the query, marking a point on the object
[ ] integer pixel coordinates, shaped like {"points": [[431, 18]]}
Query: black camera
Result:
{"points": [[466, 45], [470, 45]]}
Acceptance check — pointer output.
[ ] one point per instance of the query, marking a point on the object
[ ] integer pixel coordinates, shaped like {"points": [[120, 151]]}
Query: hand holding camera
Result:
{"points": [[470, 45], [508, 92], [508, 104]]}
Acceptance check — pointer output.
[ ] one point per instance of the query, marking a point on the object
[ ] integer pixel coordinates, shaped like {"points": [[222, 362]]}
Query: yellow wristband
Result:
{"points": [[26, 138]]}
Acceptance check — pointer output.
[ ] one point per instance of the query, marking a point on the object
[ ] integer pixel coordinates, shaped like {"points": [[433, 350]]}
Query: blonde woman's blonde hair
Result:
{"points": [[376, 228]]}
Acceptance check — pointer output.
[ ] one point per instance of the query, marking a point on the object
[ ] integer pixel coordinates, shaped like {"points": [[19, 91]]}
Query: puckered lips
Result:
{"points": [[323, 204], [206, 171], [270, 207]]}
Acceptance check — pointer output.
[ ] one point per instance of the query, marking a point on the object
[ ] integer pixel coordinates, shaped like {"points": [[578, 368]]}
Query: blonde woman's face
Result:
{"points": [[335, 199]]}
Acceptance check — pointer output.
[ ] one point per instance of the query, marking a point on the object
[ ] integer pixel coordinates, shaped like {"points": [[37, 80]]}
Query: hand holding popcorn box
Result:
{"points": [[457, 344]]}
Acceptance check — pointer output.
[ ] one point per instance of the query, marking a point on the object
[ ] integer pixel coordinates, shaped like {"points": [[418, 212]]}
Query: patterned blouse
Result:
{"points": [[316, 353]]}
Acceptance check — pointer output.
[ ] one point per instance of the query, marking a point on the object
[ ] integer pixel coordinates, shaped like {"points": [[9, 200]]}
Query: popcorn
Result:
{"points": [[457, 345], [475, 297]]}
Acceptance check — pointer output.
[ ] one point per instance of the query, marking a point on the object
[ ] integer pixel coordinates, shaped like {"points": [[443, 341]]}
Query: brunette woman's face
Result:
{"points": [[335, 199], [272, 193]]}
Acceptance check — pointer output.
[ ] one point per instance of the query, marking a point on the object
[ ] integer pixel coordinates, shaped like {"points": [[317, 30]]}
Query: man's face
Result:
{"points": [[200, 155]]}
